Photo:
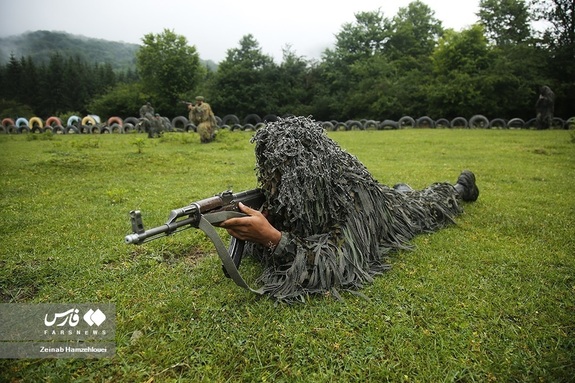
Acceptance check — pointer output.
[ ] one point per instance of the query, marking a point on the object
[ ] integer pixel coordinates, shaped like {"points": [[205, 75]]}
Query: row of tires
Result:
{"points": [[92, 124]]}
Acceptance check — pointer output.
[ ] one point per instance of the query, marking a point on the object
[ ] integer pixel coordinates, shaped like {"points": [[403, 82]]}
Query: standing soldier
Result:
{"points": [[202, 116]]}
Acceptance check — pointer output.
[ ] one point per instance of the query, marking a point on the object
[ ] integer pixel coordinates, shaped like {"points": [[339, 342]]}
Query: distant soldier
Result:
{"points": [[545, 108], [202, 116], [147, 111]]}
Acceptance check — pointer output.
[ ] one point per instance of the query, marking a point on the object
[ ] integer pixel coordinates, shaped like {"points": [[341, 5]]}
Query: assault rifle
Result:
{"points": [[204, 215]]}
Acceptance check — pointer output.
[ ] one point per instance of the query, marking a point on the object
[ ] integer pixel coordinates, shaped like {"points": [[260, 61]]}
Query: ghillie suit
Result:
{"points": [[202, 116], [545, 108], [337, 222]]}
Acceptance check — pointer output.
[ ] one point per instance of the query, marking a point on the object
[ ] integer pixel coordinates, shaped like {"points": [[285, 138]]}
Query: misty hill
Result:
{"points": [[40, 45]]}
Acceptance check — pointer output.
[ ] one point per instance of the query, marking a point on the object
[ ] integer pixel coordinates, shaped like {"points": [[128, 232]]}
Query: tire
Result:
{"points": [[354, 125], [94, 129], [558, 123], [388, 125], [53, 121], [442, 123], [129, 128], [260, 125], [236, 127], [88, 120], [84, 129], [71, 129], [21, 122], [35, 120], [12, 129], [497, 123], [37, 129], [478, 121], [248, 127], [116, 128], [131, 120], [425, 122], [73, 121], [116, 120], [6, 122], [180, 120], [570, 123], [406, 122], [58, 129], [340, 126], [190, 128], [270, 118], [516, 123], [459, 122], [47, 129], [531, 123], [370, 125], [23, 130], [328, 126], [252, 119], [230, 119]]}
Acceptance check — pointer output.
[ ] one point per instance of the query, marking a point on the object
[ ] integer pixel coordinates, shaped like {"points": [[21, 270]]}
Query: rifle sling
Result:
{"points": [[207, 227]]}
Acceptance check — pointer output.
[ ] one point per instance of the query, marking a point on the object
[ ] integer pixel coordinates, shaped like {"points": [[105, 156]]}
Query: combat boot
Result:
{"points": [[466, 187]]}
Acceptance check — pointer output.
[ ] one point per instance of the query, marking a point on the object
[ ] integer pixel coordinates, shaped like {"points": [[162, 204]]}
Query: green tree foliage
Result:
{"points": [[460, 64], [245, 81], [505, 21], [168, 67]]}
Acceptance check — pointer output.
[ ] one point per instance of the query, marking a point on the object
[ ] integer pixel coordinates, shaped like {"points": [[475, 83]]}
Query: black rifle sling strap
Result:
{"points": [[207, 227]]}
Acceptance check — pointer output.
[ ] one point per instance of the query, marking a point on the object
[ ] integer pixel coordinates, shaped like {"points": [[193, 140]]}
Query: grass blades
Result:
{"points": [[488, 300]]}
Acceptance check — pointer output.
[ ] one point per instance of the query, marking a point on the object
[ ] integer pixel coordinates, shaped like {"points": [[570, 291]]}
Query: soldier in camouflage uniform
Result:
{"points": [[202, 116], [328, 225]]}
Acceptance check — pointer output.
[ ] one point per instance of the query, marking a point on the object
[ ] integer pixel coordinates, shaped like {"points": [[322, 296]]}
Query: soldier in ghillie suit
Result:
{"points": [[202, 116], [328, 224], [545, 108]]}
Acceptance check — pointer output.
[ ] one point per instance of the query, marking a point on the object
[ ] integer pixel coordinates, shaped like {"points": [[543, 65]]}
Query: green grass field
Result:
{"points": [[491, 299]]}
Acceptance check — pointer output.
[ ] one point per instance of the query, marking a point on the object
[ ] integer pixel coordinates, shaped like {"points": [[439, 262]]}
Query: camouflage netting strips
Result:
{"points": [[338, 222]]}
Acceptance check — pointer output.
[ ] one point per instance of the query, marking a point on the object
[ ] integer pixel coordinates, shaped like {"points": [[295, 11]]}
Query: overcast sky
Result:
{"points": [[213, 27]]}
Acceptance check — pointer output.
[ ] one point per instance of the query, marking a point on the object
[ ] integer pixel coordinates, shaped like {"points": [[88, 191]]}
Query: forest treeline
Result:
{"points": [[379, 68]]}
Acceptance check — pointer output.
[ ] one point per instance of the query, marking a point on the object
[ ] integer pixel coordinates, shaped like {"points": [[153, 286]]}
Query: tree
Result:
{"points": [[245, 81], [168, 67], [460, 62], [414, 32], [505, 22], [356, 42]]}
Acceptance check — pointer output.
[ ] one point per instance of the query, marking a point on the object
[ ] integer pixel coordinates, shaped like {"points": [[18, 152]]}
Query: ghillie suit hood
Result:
{"points": [[337, 221]]}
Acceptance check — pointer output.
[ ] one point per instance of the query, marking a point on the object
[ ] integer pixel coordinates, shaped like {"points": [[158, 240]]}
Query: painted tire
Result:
{"points": [[7, 122], [88, 120], [53, 121], [21, 121], [73, 121], [116, 120], [36, 121]]}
